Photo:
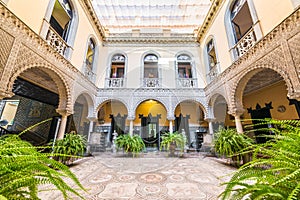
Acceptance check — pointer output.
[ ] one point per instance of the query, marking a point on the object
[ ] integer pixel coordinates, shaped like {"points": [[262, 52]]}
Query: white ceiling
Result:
{"points": [[181, 16]]}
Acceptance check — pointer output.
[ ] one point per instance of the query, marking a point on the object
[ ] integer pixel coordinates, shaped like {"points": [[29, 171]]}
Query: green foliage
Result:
{"points": [[228, 142], [274, 172], [72, 145], [23, 168], [133, 144], [173, 138]]}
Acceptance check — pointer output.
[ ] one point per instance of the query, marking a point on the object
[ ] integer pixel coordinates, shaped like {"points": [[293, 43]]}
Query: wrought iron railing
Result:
{"points": [[114, 82]]}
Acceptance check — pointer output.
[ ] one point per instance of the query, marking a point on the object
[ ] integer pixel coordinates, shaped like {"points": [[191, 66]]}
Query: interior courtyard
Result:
{"points": [[146, 68]]}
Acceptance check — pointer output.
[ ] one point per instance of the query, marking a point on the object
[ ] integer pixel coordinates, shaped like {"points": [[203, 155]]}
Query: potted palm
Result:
{"points": [[72, 144], [171, 141], [130, 144], [230, 143]]}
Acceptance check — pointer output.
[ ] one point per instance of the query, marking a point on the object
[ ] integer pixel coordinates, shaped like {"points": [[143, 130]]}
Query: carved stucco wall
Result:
{"points": [[279, 51], [22, 49]]}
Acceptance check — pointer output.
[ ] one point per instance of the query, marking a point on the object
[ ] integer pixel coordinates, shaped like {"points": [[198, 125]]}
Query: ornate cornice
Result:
{"points": [[91, 14], [212, 13]]}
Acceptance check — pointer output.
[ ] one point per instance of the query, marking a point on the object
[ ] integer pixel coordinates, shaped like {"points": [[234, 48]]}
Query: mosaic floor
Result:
{"points": [[151, 176]]}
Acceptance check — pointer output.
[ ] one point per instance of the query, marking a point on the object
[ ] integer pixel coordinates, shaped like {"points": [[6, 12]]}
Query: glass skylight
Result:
{"points": [[121, 16]]}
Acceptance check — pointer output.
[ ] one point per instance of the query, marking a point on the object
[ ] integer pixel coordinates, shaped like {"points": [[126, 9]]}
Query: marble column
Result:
{"points": [[238, 123], [62, 127], [171, 124]]}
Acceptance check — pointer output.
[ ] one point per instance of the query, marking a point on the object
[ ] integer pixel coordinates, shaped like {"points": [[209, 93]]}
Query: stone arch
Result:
{"points": [[202, 104], [239, 84], [89, 100], [64, 88], [212, 98], [104, 100], [141, 100]]}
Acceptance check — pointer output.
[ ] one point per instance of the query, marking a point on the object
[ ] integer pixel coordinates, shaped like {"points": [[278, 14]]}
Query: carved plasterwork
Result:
{"points": [[6, 43], [277, 51], [169, 98]]}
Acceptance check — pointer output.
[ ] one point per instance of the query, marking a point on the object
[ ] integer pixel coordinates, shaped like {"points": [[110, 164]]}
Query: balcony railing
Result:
{"points": [[56, 41], [187, 82], [246, 42], [90, 74], [151, 82], [214, 72], [114, 82]]}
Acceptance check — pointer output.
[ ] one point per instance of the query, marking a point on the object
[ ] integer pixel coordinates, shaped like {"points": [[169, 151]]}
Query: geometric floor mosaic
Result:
{"points": [[150, 176]]}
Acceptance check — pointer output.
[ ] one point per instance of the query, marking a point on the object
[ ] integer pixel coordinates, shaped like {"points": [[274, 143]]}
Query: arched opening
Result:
{"points": [[265, 96], [222, 118], [189, 119], [117, 71], [78, 121], [150, 122], [112, 117], [36, 99], [151, 72]]}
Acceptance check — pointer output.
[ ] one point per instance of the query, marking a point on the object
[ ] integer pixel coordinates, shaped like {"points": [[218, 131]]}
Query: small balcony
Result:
{"points": [[57, 42], [151, 82], [90, 74], [214, 72], [187, 82], [245, 43], [114, 82]]}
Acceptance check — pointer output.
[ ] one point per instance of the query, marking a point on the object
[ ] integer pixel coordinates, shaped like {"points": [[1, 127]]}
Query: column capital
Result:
{"points": [[64, 112], [236, 111], [171, 118], [5, 94], [210, 119], [131, 118], [92, 119]]}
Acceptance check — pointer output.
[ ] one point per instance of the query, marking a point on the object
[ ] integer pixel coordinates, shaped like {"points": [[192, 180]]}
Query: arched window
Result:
{"points": [[241, 19], [184, 66], [185, 77], [61, 18], [89, 60], [117, 66], [151, 74], [213, 64], [117, 71], [60, 25], [242, 27]]}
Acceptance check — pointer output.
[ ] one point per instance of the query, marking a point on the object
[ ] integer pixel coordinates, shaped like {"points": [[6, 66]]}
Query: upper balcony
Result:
{"points": [[57, 42], [187, 82], [246, 42]]}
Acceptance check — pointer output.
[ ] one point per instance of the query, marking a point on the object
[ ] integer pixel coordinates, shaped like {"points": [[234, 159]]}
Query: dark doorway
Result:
{"points": [[256, 115], [150, 130]]}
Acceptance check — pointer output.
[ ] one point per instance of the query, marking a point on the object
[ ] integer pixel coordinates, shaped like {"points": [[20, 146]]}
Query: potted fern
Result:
{"points": [[230, 143], [130, 144], [72, 145], [23, 168], [171, 141], [274, 172]]}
